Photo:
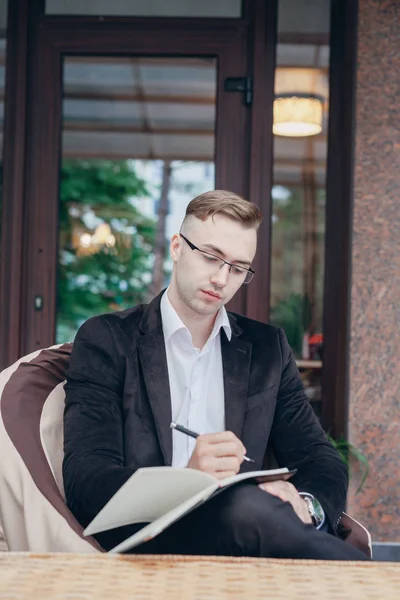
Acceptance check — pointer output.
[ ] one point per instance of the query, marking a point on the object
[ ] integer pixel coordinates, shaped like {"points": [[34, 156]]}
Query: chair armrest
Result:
{"points": [[357, 535]]}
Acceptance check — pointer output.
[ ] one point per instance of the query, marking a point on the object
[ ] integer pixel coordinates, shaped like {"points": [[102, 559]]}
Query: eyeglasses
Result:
{"points": [[212, 259]]}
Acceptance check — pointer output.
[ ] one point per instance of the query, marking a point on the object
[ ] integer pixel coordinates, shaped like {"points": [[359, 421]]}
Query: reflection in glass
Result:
{"points": [[299, 169], [145, 8], [138, 145], [297, 115]]}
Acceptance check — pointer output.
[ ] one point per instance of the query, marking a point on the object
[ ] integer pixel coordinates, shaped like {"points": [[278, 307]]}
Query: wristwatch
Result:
{"points": [[315, 509]]}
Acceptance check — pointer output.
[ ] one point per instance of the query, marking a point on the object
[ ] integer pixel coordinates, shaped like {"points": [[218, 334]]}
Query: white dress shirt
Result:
{"points": [[195, 380]]}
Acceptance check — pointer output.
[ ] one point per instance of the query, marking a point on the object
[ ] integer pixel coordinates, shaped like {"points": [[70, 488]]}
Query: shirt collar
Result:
{"points": [[222, 320], [171, 322]]}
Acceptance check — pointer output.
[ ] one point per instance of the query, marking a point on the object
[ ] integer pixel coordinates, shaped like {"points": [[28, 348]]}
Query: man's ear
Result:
{"points": [[175, 247]]}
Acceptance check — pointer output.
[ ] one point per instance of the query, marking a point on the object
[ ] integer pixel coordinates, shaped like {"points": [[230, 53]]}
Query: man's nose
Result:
{"points": [[220, 277]]}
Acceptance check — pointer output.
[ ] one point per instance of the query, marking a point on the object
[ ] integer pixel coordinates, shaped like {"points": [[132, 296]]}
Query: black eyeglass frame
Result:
{"points": [[230, 265]]}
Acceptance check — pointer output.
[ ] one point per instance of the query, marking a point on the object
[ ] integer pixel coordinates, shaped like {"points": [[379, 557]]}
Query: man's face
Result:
{"points": [[200, 283]]}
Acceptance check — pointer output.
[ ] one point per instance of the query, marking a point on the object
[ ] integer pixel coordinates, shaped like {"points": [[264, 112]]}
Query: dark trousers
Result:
{"points": [[241, 521]]}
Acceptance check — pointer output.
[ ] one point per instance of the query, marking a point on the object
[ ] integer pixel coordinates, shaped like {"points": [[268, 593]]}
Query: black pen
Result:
{"points": [[193, 434]]}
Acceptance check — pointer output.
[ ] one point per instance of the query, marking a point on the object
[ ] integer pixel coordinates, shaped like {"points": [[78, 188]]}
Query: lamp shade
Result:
{"points": [[298, 115]]}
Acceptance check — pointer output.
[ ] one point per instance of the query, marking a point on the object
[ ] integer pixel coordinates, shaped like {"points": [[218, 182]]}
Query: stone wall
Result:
{"points": [[374, 415]]}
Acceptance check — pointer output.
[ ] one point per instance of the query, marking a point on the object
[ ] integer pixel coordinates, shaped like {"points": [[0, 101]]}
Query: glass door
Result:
{"points": [[138, 143], [127, 126]]}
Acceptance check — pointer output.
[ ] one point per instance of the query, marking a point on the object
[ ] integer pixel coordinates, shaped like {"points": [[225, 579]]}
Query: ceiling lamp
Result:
{"points": [[297, 115]]}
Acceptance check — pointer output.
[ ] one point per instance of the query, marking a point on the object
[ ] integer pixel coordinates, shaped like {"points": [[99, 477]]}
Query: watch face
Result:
{"points": [[318, 511], [314, 508]]}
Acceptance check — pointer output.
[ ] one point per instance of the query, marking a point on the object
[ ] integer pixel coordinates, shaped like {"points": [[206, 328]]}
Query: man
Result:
{"points": [[183, 358]]}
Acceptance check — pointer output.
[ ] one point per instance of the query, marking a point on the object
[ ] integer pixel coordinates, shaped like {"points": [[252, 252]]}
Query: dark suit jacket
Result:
{"points": [[118, 408]]}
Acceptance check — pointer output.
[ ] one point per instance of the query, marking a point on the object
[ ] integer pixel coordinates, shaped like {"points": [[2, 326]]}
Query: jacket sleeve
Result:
{"points": [[93, 466], [299, 442]]}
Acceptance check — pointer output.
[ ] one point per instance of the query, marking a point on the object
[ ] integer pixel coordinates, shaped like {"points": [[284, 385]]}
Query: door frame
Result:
{"points": [[56, 37], [339, 216]]}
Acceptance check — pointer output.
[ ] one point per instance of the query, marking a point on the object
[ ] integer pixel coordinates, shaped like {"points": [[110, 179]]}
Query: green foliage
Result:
{"points": [[289, 211], [293, 314], [346, 452], [112, 278], [99, 182]]}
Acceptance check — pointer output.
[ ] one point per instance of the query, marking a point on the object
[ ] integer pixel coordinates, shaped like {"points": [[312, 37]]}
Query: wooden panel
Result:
{"points": [[13, 181], [264, 20], [339, 212]]}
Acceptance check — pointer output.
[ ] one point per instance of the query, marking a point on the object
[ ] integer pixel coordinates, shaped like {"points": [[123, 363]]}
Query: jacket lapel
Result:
{"points": [[153, 359], [236, 356]]}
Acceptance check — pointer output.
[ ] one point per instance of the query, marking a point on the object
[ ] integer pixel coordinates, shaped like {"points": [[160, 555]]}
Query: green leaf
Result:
{"points": [[93, 191], [345, 449]]}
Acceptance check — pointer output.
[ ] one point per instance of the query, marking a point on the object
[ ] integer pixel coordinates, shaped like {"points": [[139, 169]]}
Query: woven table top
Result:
{"points": [[102, 576]]}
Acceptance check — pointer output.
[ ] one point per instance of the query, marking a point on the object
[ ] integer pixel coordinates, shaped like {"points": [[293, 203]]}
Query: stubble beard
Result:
{"points": [[196, 304]]}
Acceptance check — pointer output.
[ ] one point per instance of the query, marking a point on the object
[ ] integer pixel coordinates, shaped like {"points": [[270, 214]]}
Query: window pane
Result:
{"points": [[147, 8], [304, 16], [137, 146], [299, 170]]}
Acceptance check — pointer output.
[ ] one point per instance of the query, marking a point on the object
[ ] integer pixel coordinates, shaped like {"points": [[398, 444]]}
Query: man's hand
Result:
{"points": [[288, 493], [219, 454]]}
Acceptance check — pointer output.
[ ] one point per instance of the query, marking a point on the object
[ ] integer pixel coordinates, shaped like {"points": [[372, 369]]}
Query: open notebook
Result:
{"points": [[160, 496]]}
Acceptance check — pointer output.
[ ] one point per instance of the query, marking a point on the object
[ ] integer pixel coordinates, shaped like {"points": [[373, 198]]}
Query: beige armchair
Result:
{"points": [[33, 511]]}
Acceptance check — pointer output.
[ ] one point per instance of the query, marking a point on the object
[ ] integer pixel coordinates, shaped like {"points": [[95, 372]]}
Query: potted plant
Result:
{"points": [[347, 451]]}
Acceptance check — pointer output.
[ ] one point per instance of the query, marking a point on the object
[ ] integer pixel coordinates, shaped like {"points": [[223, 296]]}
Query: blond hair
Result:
{"points": [[228, 204]]}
